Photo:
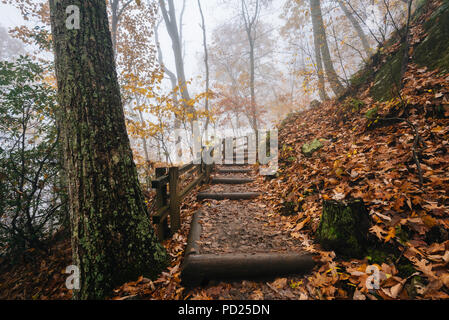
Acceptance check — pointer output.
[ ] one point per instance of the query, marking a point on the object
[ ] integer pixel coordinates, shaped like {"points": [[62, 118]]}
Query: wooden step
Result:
{"points": [[241, 170], [199, 268], [233, 180], [236, 164], [229, 195]]}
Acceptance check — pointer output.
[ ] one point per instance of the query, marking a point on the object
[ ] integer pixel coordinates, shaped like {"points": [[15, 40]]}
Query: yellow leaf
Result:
{"points": [[429, 221], [338, 172], [391, 234]]}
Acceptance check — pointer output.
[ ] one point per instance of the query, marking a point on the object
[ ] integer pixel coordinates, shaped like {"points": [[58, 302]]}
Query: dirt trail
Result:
{"points": [[241, 226]]}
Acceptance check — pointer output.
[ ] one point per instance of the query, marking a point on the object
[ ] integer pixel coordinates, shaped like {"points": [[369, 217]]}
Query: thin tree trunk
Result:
{"points": [[340, 59], [319, 70], [250, 26], [172, 29], [171, 75], [116, 13], [357, 27], [406, 57], [320, 33], [206, 63], [112, 237]]}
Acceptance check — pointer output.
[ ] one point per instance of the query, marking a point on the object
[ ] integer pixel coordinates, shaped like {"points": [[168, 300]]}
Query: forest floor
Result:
{"points": [[359, 158]]}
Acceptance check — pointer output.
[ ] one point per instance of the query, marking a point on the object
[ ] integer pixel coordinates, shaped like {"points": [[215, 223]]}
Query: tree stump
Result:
{"points": [[344, 227]]}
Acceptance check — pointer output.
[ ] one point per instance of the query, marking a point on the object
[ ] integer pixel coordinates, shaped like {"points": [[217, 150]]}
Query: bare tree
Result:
{"points": [[206, 63], [250, 20], [173, 31], [356, 26], [319, 33], [116, 14]]}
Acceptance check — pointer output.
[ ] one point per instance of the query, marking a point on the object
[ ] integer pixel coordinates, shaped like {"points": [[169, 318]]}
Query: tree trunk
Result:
{"points": [[172, 29], [319, 70], [171, 75], [250, 27], [206, 64], [112, 237], [357, 27], [320, 34]]}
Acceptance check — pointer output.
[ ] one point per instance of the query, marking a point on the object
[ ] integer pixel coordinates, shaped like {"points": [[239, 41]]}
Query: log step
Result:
{"points": [[199, 268], [236, 180], [242, 170], [231, 195]]}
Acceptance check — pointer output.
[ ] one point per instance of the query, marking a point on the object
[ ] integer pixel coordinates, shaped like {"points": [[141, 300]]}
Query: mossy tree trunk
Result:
{"points": [[344, 227], [112, 238]]}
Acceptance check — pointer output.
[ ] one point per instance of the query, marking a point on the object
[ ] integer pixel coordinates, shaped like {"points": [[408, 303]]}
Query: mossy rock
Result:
{"points": [[433, 51], [344, 227], [309, 148], [314, 104], [372, 113], [386, 80], [290, 208]]}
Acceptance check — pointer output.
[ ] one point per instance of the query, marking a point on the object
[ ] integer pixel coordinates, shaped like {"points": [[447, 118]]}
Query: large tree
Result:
{"points": [[112, 237]]}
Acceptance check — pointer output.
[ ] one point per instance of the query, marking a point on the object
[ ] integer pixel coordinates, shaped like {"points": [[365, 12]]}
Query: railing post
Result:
{"points": [[175, 216], [223, 145], [161, 200]]}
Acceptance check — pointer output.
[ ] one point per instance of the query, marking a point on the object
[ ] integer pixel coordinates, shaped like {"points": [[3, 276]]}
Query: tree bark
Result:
{"points": [[319, 33], [357, 27], [112, 237]]}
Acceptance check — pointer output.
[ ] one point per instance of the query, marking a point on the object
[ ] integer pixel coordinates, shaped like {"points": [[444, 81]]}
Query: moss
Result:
{"points": [[433, 51], [361, 77], [387, 77], [405, 269], [372, 113], [309, 148], [344, 227]]}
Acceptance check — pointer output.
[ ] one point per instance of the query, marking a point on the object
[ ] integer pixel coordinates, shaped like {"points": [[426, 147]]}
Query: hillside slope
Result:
{"points": [[379, 152]]}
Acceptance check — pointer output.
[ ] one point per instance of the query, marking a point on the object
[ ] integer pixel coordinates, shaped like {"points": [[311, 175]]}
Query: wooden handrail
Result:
{"points": [[169, 194]]}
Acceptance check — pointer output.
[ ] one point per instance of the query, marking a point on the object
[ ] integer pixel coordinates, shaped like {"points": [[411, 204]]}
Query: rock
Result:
{"points": [[372, 113], [436, 234], [344, 227], [314, 104], [309, 148]]}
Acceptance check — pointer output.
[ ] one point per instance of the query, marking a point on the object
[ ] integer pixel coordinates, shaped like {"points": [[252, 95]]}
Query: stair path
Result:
{"points": [[231, 236]]}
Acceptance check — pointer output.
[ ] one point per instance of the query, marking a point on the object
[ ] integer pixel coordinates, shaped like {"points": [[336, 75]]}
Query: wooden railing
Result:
{"points": [[170, 193], [173, 184]]}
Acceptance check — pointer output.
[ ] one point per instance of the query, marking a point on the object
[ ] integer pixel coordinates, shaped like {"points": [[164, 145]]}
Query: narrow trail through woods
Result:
{"points": [[241, 225], [233, 235]]}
